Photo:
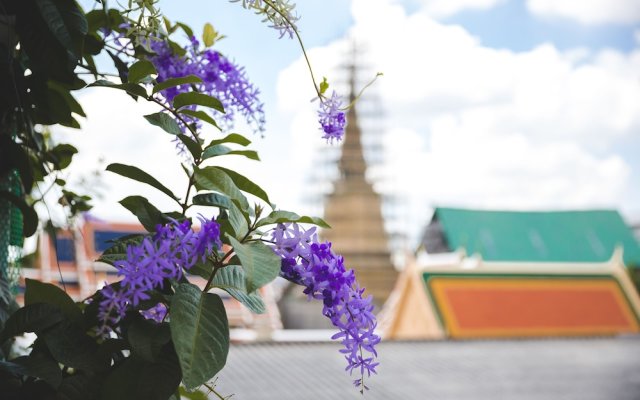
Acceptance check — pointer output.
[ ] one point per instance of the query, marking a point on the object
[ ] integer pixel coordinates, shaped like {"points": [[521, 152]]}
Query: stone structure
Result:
{"points": [[354, 212]]}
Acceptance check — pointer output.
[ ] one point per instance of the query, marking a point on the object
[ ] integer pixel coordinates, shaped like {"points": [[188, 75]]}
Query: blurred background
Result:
{"points": [[487, 188]]}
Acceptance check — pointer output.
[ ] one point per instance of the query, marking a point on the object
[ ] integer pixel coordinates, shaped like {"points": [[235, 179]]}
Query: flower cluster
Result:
{"points": [[332, 118], [279, 12], [175, 247], [220, 77], [313, 265]]}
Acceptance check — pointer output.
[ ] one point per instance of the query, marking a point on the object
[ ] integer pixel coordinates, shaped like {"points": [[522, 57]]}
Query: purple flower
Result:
{"points": [[156, 313], [324, 276], [332, 119], [174, 248], [279, 12], [112, 308], [220, 77]]}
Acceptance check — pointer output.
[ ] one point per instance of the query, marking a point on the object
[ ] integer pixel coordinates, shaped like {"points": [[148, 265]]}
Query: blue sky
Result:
{"points": [[488, 103], [512, 26]]}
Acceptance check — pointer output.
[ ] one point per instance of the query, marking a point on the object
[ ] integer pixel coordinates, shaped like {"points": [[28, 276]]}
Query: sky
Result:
{"points": [[498, 104]]}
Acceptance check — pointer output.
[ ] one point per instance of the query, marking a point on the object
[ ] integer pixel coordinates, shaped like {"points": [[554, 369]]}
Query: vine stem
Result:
{"points": [[175, 114], [185, 206], [304, 51], [306, 58], [213, 390], [355, 99], [220, 263], [362, 386]]}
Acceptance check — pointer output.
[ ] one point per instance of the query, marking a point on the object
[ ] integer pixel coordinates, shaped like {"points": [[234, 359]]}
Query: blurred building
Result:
{"points": [[68, 258], [636, 230], [509, 274]]}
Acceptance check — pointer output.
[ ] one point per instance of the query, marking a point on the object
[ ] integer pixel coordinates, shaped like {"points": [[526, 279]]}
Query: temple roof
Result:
{"points": [[554, 236]]}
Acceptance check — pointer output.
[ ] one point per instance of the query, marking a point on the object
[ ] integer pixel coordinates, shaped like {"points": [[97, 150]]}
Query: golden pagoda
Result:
{"points": [[354, 212]]}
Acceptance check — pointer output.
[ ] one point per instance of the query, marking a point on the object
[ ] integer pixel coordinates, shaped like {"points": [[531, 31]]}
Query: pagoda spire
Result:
{"points": [[354, 210], [352, 164]]}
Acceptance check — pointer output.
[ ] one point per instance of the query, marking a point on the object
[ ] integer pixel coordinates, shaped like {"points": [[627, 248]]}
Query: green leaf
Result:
{"points": [[148, 215], [324, 85], [123, 380], [135, 173], [61, 93], [40, 292], [121, 66], [12, 368], [140, 70], [217, 150], [31, 318], [93, 45], [171, 82], [72, 347], [239, 223], [63, 153], [239, 220], [176, 48], [76, 387], [41, 365], [196, 395], [29, 216], [136, 379], [74, 19], [232, 280], [14, 155], [231, 138], [261, 265], [221, 150], [209, 35], [55, 22], [214, 178], [110, 347], [164, 121], [131, 88], [191, 145], [212, 200], [185, 28], [200, 333], [148, 338], [246, 185], [119, 250], [199, 99], [276, 217], [201, 115]]}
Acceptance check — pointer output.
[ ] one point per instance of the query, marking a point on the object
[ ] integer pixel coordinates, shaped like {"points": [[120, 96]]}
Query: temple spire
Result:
{"points": [[354, 212], [352, 163]]}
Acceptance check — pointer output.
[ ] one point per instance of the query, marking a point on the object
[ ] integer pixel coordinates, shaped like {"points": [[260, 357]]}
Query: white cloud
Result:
{"points": [[483, 127], [116, 132], [119, 134], [589, 11], [445, 8]]}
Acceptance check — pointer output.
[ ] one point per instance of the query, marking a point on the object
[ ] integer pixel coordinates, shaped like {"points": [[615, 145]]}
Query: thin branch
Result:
{"points": [[175, 114], [355, 99], [213, 390], [304, 51]]}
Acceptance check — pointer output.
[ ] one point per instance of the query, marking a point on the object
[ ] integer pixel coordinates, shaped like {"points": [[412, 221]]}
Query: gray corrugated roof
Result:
{"points": [[549, 369]]}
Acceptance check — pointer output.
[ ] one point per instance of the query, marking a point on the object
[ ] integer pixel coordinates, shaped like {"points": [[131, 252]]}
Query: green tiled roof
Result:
{"points": [[562, 236]]}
